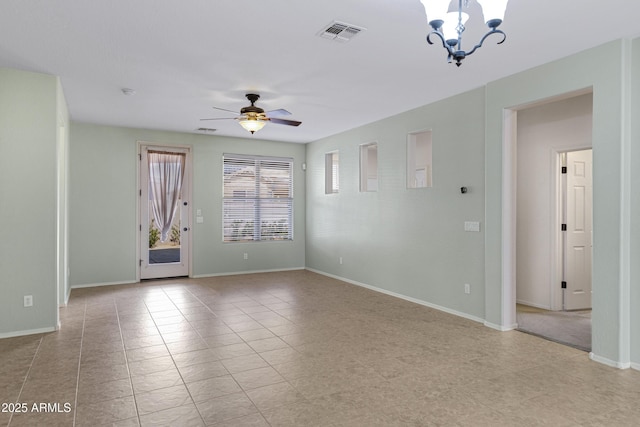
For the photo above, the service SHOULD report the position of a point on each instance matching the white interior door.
(578, 242)
(160, 258)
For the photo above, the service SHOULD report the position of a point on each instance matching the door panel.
(578, 247)
(169, 258)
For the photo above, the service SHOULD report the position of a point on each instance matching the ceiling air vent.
(206, 130)
(340, 32)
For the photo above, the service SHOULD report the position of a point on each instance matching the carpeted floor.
(572, 328)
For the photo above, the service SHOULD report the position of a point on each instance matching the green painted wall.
(28, 201)
(407, 241)
(103, 197)
(601, 68)
(412, 242)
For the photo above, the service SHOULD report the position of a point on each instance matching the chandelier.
(449, 26)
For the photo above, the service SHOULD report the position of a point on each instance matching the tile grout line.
(126, 360)
(246, 342)
(230, 374)
(26, 377)
(75, 403)
(171, 354)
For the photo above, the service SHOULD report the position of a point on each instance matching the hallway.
(572, 328)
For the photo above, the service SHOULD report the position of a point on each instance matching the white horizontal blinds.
(258, 198)
(239, 199)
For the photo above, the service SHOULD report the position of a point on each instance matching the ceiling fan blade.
(285, 122)
(224, 109)
(277, 113)
(221, 118)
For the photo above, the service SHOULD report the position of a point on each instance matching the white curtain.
(165, 184)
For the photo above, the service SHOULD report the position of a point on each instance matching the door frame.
(188, 177)
(508, 194)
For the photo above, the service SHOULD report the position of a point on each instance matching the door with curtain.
(164, 211)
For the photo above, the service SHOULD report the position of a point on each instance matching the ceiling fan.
(254, 118)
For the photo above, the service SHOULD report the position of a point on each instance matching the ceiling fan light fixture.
(254, 118)
(252, 124)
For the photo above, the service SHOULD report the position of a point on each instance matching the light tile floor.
(294, 349)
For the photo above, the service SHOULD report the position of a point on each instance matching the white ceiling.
(183, 57)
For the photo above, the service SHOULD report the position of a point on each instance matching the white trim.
(404, 297)
(556, 194)
(509, 232)
(27, 332)
(533, 304)
(95, 285)
(609, 362)
(635, 366)
(237, 273)
(500, 327)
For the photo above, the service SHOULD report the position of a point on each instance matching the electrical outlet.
(28, 300)
(246, 255)
(467, 288)
(340, 260)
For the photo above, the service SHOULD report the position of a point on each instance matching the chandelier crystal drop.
(449, 26)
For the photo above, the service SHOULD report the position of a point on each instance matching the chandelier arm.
(493, 31)
(444, 42)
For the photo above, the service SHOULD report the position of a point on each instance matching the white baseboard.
(532, 304)
(397, 295)
(237, 273)
(500, 327)
(27, 332)
(635, 366)
(609, 362)
(94, 285)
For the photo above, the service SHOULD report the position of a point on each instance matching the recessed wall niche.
(419, 159)
(369, 167)
(331, 172)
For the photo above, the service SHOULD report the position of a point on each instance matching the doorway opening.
(551, 215)
(164, 211)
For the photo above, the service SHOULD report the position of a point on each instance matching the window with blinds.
(257, 203)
